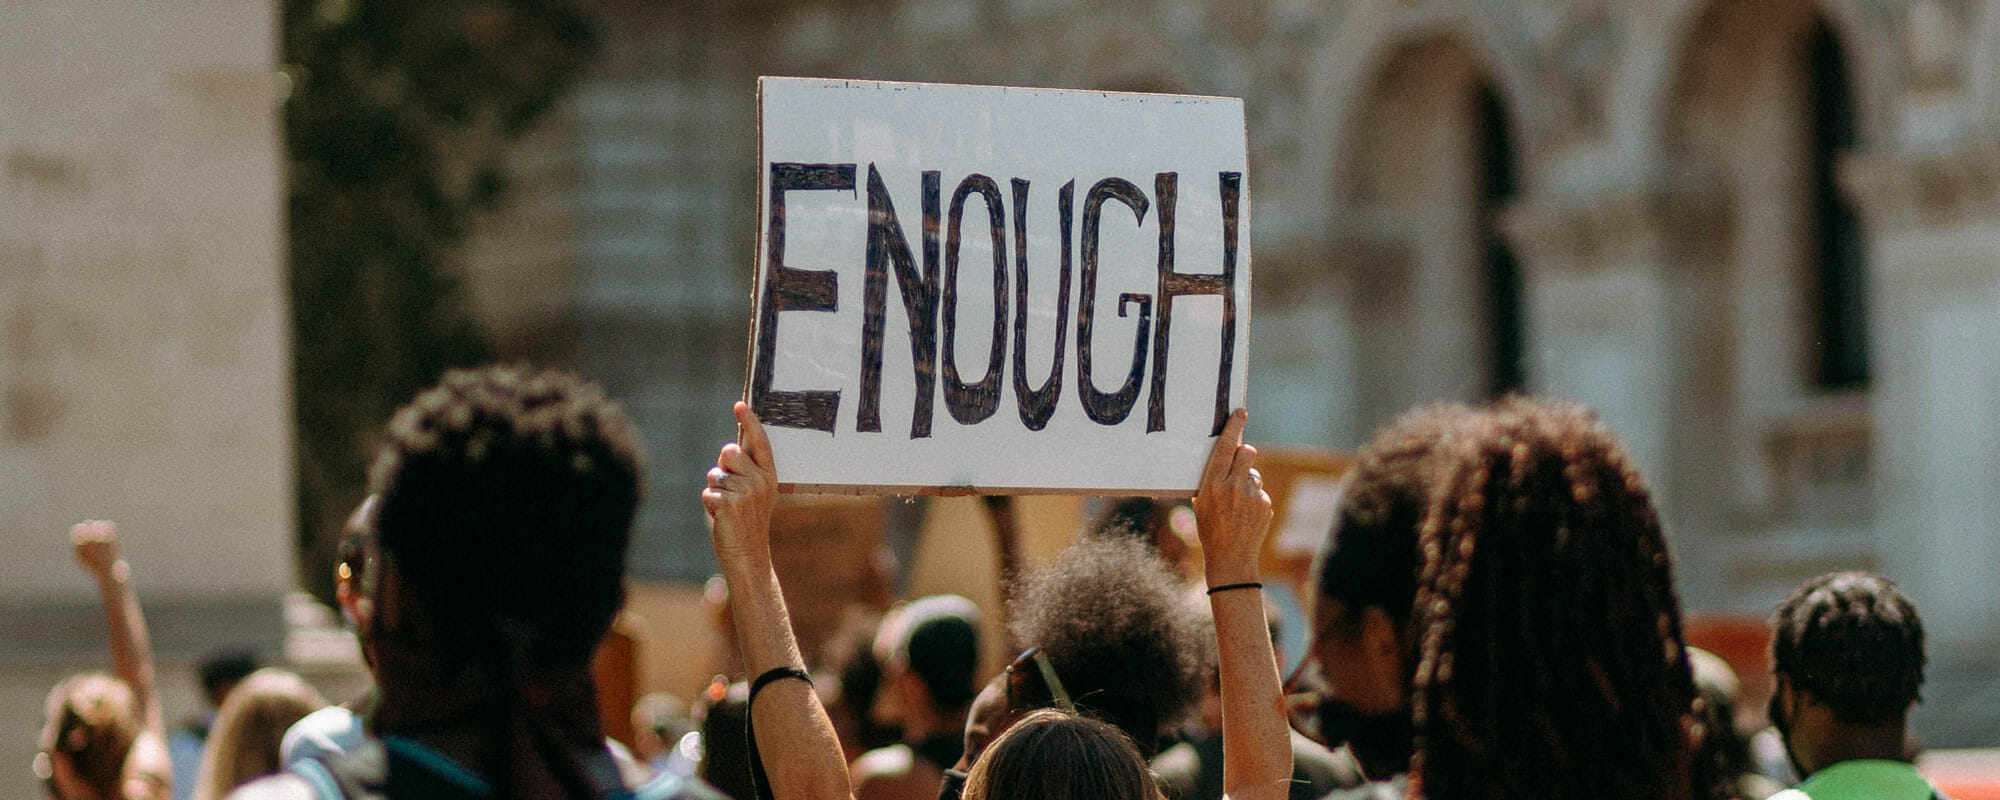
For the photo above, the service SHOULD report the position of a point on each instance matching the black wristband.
(775, 674)
(1228, 586)
(760, 784)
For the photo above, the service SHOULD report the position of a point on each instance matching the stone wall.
(143, 371)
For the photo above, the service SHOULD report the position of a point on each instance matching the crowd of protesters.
(1493, 615)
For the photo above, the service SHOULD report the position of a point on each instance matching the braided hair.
(1550, 657)
(1855, 643)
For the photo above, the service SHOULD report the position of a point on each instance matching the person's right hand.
(1231, 509)
(96, 544)
(742, 489)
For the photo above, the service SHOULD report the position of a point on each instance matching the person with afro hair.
(1111, 647)
(1848, 655)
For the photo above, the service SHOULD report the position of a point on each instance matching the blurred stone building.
(1761, 238)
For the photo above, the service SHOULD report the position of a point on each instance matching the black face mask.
(1382, 742)
(1782, 720)
(953, 786)
(943, 750)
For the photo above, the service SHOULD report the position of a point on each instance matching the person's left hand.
(1231, 509)
(742, 489)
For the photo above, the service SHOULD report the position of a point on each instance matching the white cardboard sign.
(997, 290)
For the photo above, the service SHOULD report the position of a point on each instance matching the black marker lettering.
(1037, 405)
(1111, 408)
(1174, 284)
(887, 245)
(789, 289)
(972, 403)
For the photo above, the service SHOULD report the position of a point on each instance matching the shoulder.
(282, 786)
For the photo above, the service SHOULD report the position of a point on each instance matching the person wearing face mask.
(1848, 655)
(1352, 691)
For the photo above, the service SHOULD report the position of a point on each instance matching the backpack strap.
(358, 774)
(316, 775)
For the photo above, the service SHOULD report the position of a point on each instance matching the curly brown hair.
(1109, 615)
(1371, 557)
(1550, 657)
(507, 499)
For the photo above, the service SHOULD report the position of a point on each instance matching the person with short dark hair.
(1848, 654)
(930, 651)
(506, 501)
(1107, 616)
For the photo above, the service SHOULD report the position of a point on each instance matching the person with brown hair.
(244, 743)
(1540, 654)
(103, 737)
(1056, 755)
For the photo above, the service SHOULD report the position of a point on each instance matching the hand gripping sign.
(967, 289)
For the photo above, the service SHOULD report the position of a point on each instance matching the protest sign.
(999, 290)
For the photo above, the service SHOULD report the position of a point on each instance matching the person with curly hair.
(1111, 647)
(1849, 658)
(506, 497)
(1539, 652)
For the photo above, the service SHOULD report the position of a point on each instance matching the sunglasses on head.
(1305, 690)
(1021, 682)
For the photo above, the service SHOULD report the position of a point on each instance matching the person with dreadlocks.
(1540, 653)
(1849, 658)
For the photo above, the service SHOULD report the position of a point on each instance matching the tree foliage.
(398, 118)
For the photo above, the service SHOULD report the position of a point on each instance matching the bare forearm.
(803, 759)
(1256, 742)
(131, 647)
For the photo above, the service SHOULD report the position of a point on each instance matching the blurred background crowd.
(1762, 239)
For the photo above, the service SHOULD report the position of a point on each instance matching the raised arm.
(148, 770)
(1007, 544)
(1232, 514)
(800, 752)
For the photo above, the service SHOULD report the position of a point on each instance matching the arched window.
(1431, 288)
(1505, 337)
(1839, 301)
